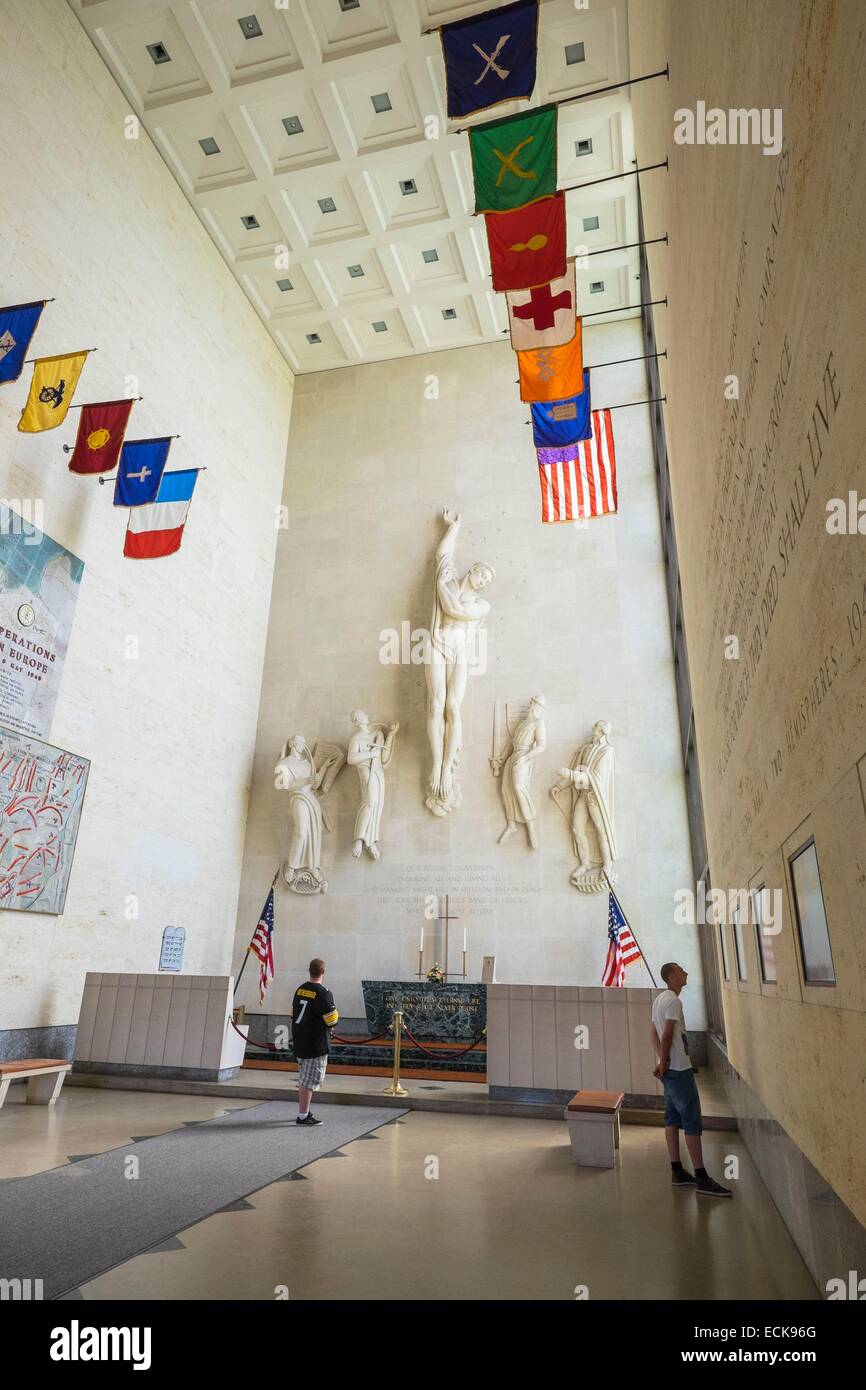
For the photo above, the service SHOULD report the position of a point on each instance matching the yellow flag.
(51, 390)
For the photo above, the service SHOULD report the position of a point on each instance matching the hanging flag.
(544, 316)
(514, 160)
(622, 948)
(262, 945)
(558, 423)
(580, 481)
(101, 428)
(490, 57)
(139, 475)
(157, 530)
(51, 391)
(527, 247)
(17, 326)
(552, 374)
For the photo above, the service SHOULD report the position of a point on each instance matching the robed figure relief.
(589, 811)
(458, 614)
(305, 777)
(514, 764)
(370, 751)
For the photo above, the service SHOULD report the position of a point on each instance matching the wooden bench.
(46, 1078)
(593, 1127)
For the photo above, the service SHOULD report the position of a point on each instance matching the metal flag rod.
(583, 96)
(70, 448)
(113, 477)
(620, 361)
(606, 250)
(645, 304)
(623, 406)
(630, 927)
(85, 405)
(612, 178)
(28, 361)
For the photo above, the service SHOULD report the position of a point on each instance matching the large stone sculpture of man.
(458, 613)
(591, 779)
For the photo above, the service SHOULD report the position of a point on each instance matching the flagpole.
(85, 405)
(631, 928)
(247, 952)
(624, 405)
(581, 96)
(620, 361)
(623, 308)
(28, 361)
(612, 178)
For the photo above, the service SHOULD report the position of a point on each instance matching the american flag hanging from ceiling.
(622, 948)
(579, 480)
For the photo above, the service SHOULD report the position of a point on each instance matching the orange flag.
(554, 373)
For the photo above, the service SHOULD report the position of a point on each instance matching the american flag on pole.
(262, 945)
(579, 480)
(622, 948)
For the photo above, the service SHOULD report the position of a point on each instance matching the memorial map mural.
(41, 794)
(39, 582)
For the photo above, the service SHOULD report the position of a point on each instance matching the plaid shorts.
(311, 1071)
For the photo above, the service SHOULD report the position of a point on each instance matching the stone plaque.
(442, 1013)
(173, 942)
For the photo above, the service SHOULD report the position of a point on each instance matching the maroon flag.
(527, 246)
(101, 428)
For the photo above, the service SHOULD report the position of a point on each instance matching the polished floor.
(436, 1206)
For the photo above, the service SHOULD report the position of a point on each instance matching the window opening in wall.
(812, 929)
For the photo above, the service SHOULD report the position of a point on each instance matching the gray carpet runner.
(70, 1224)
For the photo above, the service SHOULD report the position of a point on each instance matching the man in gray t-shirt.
(674, 1070)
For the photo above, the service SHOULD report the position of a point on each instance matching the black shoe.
(683, 1179)
(309, 1120)
(708, 1187)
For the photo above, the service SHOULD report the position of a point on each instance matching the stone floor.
(509, 1216)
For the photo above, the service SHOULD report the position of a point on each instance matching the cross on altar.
(448, 919)
(542, 307)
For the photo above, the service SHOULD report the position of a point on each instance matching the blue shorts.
(682, 1102)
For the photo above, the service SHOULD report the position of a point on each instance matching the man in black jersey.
(313, 1017)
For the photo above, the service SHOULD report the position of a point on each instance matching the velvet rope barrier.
(271, 1047)
(451, 1056)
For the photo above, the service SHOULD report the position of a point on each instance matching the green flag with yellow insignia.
(514, 160)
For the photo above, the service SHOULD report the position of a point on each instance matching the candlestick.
(421, 947)
(464, 961)
(464, 940)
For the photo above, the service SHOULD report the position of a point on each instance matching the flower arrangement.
(436, 976)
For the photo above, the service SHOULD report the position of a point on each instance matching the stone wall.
(579, 615)
(763, 275)
(97, 221)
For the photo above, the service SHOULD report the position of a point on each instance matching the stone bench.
(593, 1127)
(45, 1078)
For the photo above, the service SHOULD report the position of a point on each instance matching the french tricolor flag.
(156, 529)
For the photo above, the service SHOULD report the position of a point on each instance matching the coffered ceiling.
(311, 138)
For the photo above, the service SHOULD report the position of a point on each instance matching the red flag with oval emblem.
(100, 434)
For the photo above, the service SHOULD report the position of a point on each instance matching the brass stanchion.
(395, 1089)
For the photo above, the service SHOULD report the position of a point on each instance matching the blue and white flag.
(557, 423)
(17, 326)
(491, 57)
(139, 473)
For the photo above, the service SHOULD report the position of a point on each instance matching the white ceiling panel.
(324, 122)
